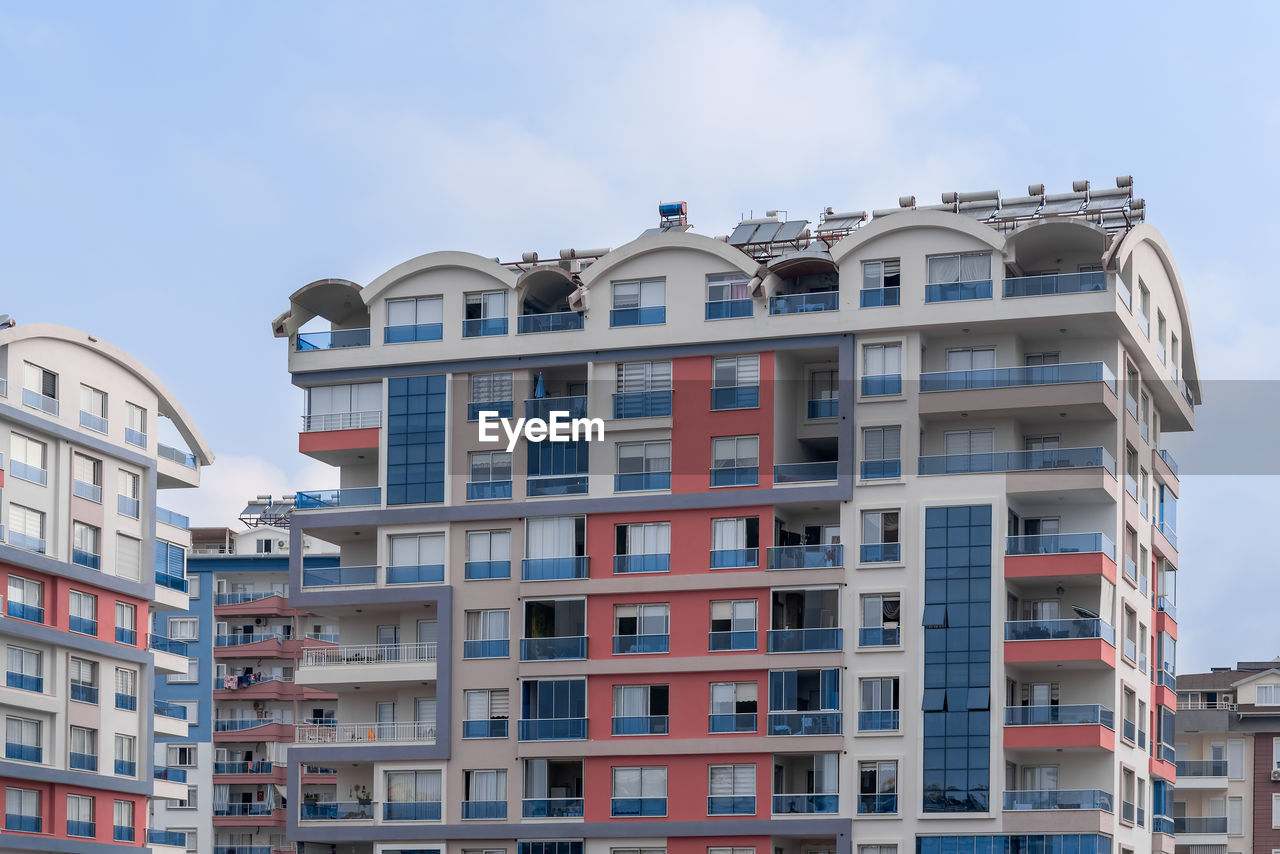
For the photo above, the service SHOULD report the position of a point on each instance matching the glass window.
(128, 556)
(135, 418)
(881, 443)
(881, 359)
(486, 304)
(737, 615)
(966, 267)
(643, 538)
(642, 457)
(636, 377)
(642, 619)
(488, 545)
(881, 274)
(644, 294)
(488, 625)
(971, 359)
(417, 550)
(879, 526)
(28, 459)
(489, 388)
(734, 371)
(735, 452)
(415, 311)
(93, 401)
(79, 815)
(727, 286)
(40, 381)
(489, 466)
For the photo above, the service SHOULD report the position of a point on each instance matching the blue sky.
(170, 172)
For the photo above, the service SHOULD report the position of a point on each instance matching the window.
(126, 620)
(86, 545)
(184, 628)
(877, 849)
(24, 669)
(641, 628)
(881, 282)
(84, 680)
(1144, 305)
(640, 709)
(125, 753)
(642, 547)
(643, 465)
(93, 409)
(84, 613)
(1126, 795)
(39, 388)
(733, 706)
(735, 461)
(735, 382)
(490, 474)
(126, 689)
(731, 790)
(181, 756)
(342, 407)
(192, 674)
(135, 431)
(731, 851)
(22, 739)
(122, 821)
(641, 303)
(485, 314)
(127, 492)
(190, 802)
(418, 319)
(958, 277)
(966, 442)
(416, 558)
(488, 711)
(26, 598)
(22, 810)
(881, 452)
(880, 536)
(412, 787)
(128, 557)
(79, 816)
(639, 791)
(488, 554)
(881, 615)
(971, 359)
(733, 625)
(804, 702)
(735, 542)
(555, 537)
(878, 704)
(877, 787)
(488, 634)
(728, 296)
(824, 393)
(1235, 814)
(87, 474)
(1268, 695)
(486, 787)
(1161, 330)
(491, 393)
(1235, 758)
(881, 369)
(28, 459)
(84, 749)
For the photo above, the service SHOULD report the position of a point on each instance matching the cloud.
(229, 484)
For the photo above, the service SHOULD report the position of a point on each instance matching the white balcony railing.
(422, 732)
(373, 653)
(341, 421)
(1206, 705)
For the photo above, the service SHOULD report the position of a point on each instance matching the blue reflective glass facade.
(415, 439)
(957, 659)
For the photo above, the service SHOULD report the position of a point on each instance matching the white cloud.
(232, 481)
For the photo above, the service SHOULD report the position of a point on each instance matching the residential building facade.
(92, 563)
(872, 552)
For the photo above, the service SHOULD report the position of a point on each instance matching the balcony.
(243, 639)
(1069, 715)
(23, 823)
(823, 408)
(1169, 461)
(626, 564)
(1056, 283)
(494, 648)
(405, 334)
(88, 491)
(87, 559)
(243, 768)
(728, 308)
(320, 423)
(23, 611)
(553, 729)
(642, 481)
(805, 803)
(125, 768)
(1071, 629)
(740, 722)
(735, 476)
(1058, 799)
(878, 720)
(553, 649)
(135, 437)
(536, 487)
(642, 404)
(553, 568)
(805, 723)
(172, 775)
(642, 725)
(82, 762)
(331, 810)
(484, 327)
(735, 558)
(803, 303)
(1169, 534)
(1165, 606)
(556, 321)
(879, 636)
(735, 397)
(495, 408)
(725, 641)
(1010, 461)
(493, 728)
(129, 507)
(160, 643)
(957, 292)
(1060, 544)
(43, 402)
(24, 682)
(340, 576)
(880, 469)
(641, 644)
(373, 732)
(491, 810)
(820, 556)
(1200, 825)
(353, 663)
(637, 807)
(81, 828)
(552, 808)
(488, 490)
(329, 499)
(881, 804)
(731, 805)
(806, 640)
(420, 574)
(29, 473)
(881, 385)
(880, 553)
(84, 693)
(484, 570)
(182, 458)
(812, 472)
(23, 752)
(126, 702)
(335, 339)
(414, 810)
(167, 837)
(649, 315)
(879, 297)
(1193, 773)
(1017, 377)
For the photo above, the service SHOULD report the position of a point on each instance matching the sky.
(171, 172)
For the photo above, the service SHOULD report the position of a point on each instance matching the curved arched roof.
(438, 261)
(169, 406)
(909, 219)
(668, 240)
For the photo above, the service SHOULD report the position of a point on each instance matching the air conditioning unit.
(1275, 776)
(280, 544)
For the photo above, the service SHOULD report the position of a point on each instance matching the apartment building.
(764, 612)
(88, 572)
(244, 638)
(1228, 747)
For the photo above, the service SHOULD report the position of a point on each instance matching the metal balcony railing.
(367, 654)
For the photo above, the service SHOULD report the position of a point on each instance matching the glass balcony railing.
(1076, 629)
(815, 556)
(1059, 715)
(166, 837)
(553, 729)
(494, 648)
(805, 640)
(879, 385)
(735, 397)
(641, 481)
(879, 297)
(164, 644)
(812, 472)
(805, 723)
(623, 564)
(182, 458)
(24, 681)
(88, 491)
(1055, 283)
(802, 303)
(135, 437)
(491, 810)
(80, 828)
(1060, 544)
(1165, 679)
(127, 702)
(27, 542)
(86, 559)
(169, 517)
(734, 558)
(880, 552)
(1165, 606)
(477, 570)
(402, 334)
(1144, 323)
(723, 641)
(172, 775)
(488, 490)
(483, 327)
(881, 469)
(637, 807)
(23, 752)
(728, 308)
(27, 472)
(1169, 461)
(559, 485)
(731, 805)
(1201, 767)
(1030, 375)
(552, 808)
(493, 728)
(739, 722)
(1054, 458)
(43, 402)
(792, 804)
(84, 693)
(1169, 533)
(422, 574)
(556, 321)
(127, 506)
(23, 611)
(83, 762)
(553, 649)
(642, 725)
(828, 407)
(641, 644)
(495, 408)
(879, 636)
(880, 804)
(735, 476)
(1059, 799)
(170, 581)
(1214, 824)
(93, 422)
(23, 823)
(414, 810)
(958, 291)
(1162, 824)
(335, 339)
(1130, 568)
(1131, 486)
(878, 720)
(340, 576)
(125, 768)
(243, 767)
(649, 315)
(553, 568)
(83, 625)
(324, 810)
(326, 499)
(642, 404)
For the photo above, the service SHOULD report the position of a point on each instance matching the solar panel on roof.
(1062, 206)
(1024, 209)
(1107, 202)
(742, 234)
(983, 212)
(838, 224)
(791, 229)
(765, 232)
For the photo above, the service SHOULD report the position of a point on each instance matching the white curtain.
(401, 312)
(488, 786)
(551, 537)
(430, 310)
(653, 619)
(826, 777)
(975, 267)
(626, 782)
(653, 293)
(631, 701)
(535, 779)
(221, 796)
(944, 269)
(727, 534)
(722, 698)
(650, 538)
(477, 705)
